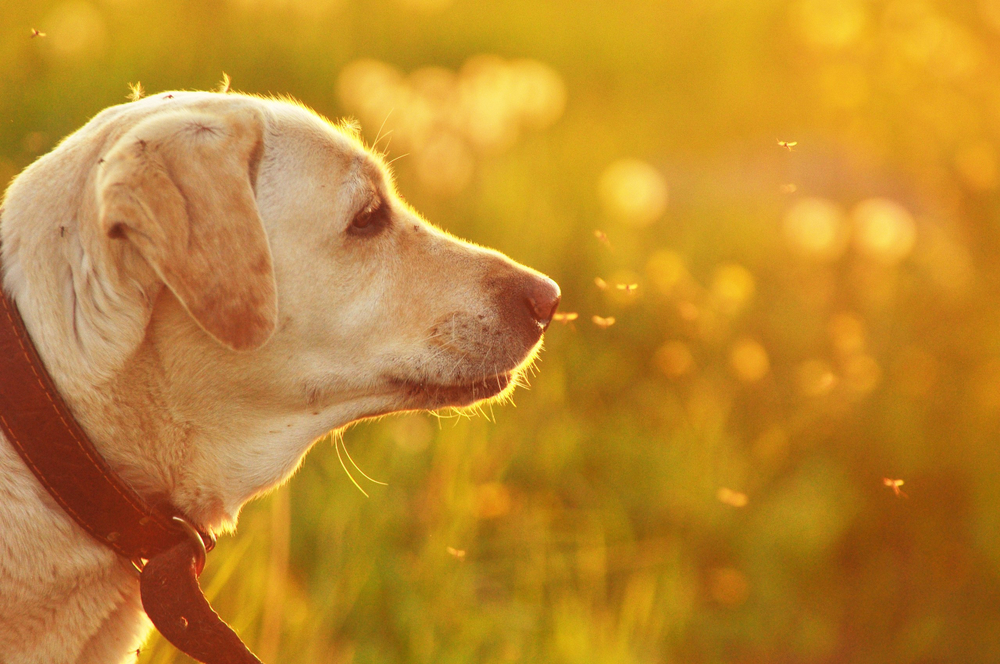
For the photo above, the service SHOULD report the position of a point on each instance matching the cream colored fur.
(188, 269)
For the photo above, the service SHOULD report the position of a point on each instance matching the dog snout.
(525, 300)
(542, 296)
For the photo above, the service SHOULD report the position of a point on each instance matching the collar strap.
(44, 433)
(52, 444)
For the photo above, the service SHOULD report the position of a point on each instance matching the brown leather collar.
(158, 539)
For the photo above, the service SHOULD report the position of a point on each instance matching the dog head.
(281, 235)
(259, 282)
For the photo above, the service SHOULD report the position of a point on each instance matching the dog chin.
(425, 395)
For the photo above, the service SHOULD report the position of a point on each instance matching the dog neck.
(65, 597)
(97, 583)
(98, 612)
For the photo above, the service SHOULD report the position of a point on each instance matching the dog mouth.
(430, 395)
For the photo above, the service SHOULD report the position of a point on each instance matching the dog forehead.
(308, 135)
(302, 125)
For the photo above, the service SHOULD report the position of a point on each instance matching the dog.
(214, 281)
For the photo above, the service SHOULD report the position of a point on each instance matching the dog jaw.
(423, 395)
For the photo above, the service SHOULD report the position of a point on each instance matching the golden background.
(711, 478)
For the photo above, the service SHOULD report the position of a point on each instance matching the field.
(785, 446)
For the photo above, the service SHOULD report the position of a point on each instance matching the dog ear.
(178, 187)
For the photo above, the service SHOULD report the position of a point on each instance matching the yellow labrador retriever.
(213, 281)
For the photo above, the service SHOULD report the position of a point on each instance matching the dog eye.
(369, 221)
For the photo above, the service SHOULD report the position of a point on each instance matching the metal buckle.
(201, 549)
(203, 543)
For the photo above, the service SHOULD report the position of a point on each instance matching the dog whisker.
(337, 442)
(358, 468)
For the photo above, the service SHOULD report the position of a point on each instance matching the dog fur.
(214, 281)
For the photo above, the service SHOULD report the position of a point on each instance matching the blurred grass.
(785, 350)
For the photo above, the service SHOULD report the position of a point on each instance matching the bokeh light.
(815, 378)
(847, 334)
(729, 587)
(633, 192)
(443, 118)
(76, 29)
(733, 287)
(749, 360)
(977, 165)
(830, 23)
(816, 228)
(884, 229)
(674, 359)
(732, 498)
(305, 9)
(861, 373)
(666, 270)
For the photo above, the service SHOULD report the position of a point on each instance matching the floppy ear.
(178, 187)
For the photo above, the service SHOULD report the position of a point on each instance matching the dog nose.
(543, 300)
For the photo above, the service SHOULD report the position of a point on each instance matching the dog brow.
(359, 188)
(370, 170)
(366, 178)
